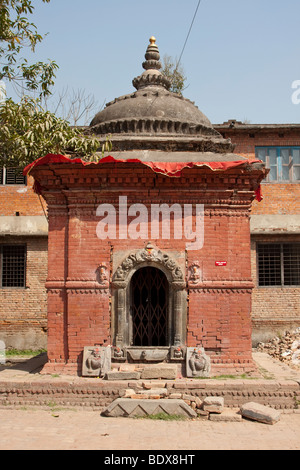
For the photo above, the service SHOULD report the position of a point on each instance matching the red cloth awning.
(171, 169)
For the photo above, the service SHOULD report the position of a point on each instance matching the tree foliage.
(17, 32)
(175, 73)
(27, 132)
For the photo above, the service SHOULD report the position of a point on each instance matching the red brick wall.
(23, 311)
(278, 198)
(20, 198)
(274, 309)
(80, 312)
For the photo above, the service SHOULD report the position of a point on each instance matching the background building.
(23, 262)
(275, 224)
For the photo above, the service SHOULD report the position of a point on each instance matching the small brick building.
(274, 229)
(149, 249)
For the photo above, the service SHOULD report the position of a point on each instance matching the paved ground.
(41, 429)
(87, 430)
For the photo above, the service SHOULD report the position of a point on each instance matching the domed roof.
(169, 111)
(154, 118)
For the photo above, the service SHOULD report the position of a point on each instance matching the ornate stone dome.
(154, 118)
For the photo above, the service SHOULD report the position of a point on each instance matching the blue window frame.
(283, 162)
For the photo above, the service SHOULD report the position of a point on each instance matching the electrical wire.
(187, 37)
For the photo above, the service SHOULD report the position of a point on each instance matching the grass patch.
(163, 417)
(225, 376)
(230, 376)
(24, 352)
(266, 374)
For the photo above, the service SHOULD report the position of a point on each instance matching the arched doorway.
(168, 311)
(149, 307)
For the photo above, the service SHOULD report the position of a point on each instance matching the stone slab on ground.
(227, 415)
(159, 371)
(261, 413)
(162, 392)
(129, 408)
(213, 404)
(122, 375)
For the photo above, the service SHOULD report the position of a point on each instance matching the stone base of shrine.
(163, 370)
(23, 385)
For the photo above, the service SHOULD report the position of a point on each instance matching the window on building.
(284, 162)
(278, 264)
(13, 265)
(12, 176)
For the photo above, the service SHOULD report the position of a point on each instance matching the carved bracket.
(194, 274)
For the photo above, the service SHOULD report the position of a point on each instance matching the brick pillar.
(57, 272)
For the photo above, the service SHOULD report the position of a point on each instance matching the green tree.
(175, 73)
(27, 131)
(17, 32)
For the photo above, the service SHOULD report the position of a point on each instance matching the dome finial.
(152, 67)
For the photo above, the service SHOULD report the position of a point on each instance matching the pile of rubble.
(152, 401)
(285, 348)
(202, 409)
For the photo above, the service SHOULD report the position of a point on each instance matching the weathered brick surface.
(23, 311)
(279, 198)
(79, 305)
(99, 394)
(20, 198)
(273, 309)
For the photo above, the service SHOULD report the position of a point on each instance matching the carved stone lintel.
(148, 354)
(151, 254)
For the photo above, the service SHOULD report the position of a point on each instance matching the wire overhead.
(188, 34)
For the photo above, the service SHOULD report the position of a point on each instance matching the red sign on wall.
(220, 263)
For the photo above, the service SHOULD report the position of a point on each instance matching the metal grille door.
(149, 307)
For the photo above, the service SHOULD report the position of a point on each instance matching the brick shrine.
(149, 294)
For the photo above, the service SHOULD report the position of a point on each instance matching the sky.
(241, 58)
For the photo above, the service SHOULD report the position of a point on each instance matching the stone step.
(124, 407)
(159, 371)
